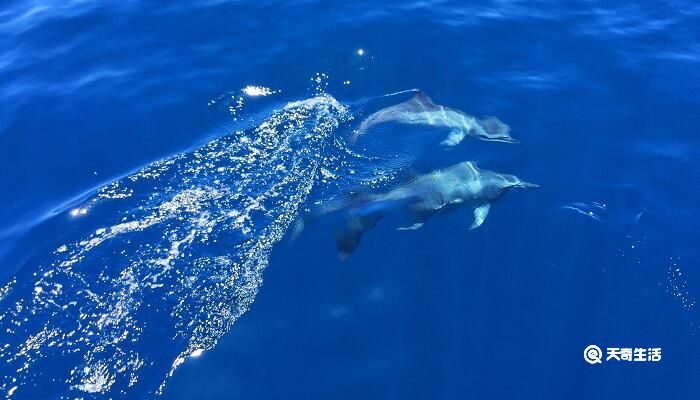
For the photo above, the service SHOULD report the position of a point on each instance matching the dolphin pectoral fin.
(480, 214)
(413, 227)
(453, 138)
(420, 217)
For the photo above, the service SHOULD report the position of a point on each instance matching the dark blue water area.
(603, 95)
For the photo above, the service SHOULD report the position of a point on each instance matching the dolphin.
(461, 185)
(421, 110)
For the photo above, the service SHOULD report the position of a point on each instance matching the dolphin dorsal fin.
(422, 98)
(472, 166)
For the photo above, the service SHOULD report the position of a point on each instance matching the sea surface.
(164, 170)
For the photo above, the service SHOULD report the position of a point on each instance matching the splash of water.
(174, 255)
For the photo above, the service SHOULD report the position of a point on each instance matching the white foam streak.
(189, 239)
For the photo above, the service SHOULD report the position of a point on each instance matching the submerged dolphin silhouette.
(421, 110)
(461, 185)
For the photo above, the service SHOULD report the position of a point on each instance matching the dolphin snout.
(510, 140)
(528, 185)
(501, 139)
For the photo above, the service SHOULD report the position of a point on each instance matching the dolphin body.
(421, 110)
(461, 185)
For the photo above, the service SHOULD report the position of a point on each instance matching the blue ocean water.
(155, 160)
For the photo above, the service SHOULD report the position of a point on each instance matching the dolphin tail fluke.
(356, 134)
(348, 237)
(299, 224)
(365, 125)
(297, 227)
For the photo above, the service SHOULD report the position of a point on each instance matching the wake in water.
(166, 259)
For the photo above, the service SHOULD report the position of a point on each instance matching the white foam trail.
(400, 92)
(583, 210)
(170, 257)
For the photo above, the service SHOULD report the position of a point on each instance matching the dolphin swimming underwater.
(421, 110)
(461, 185)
